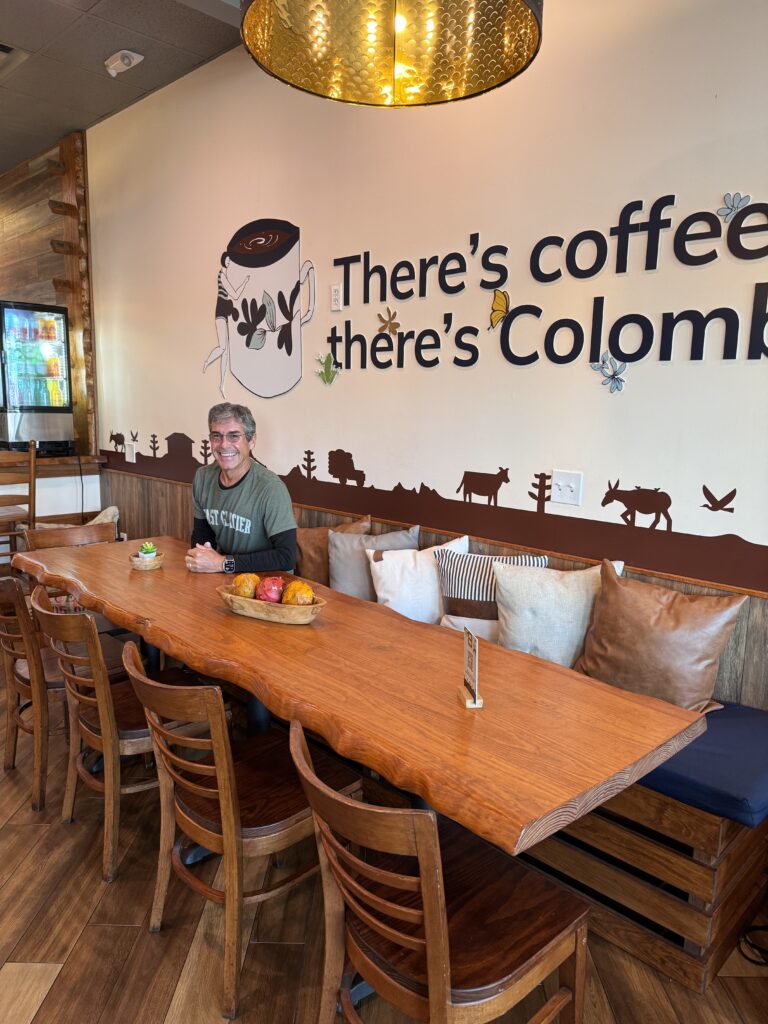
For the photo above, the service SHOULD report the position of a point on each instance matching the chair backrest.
(19, 640)
(19, 468)
(194, 704)
(75, 640)
(70, 536)
(404, 883)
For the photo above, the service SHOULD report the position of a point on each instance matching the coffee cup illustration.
(259, 307)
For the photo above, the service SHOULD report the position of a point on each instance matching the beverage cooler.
(36, 381)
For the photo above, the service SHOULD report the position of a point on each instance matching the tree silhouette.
(542, 484)
(205, 451)
(308, 465)
(154, 444)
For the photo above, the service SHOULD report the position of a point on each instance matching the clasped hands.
(203, 558)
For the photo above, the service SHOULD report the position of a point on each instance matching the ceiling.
(53, 80)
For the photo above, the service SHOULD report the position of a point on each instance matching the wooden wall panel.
(154, 507)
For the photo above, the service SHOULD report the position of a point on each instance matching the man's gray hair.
(241, 413)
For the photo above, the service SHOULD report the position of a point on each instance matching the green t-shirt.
(244, 516)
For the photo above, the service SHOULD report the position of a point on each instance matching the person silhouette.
(226, 297)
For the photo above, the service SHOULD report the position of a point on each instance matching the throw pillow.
(657, 641)
(468, 584)
(312, 548)
(348, 565)
(409, 582)
(486, 629)
(546, 611)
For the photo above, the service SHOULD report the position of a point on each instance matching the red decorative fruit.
(270, 589)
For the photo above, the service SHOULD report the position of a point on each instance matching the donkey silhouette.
(485, 484)
(643, 500)
(118, 440)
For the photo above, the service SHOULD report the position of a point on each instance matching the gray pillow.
(350, 571)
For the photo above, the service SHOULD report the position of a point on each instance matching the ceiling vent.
(10, 58)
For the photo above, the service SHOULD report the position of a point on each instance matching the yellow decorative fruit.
(245, 583)
(298, 593)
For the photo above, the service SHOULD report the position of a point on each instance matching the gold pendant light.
(393, 53)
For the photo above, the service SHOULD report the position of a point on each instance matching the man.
(243, 515)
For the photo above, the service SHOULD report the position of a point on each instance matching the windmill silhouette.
(718, 504)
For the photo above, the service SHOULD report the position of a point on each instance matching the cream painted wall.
(625, 101)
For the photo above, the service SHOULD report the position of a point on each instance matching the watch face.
(229, 565)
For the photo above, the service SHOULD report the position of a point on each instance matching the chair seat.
(129, 714)
(500, 915)
(268, 786)
(725, 770)
(113, 658)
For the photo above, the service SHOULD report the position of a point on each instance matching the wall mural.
(258, 314)
(258, 329)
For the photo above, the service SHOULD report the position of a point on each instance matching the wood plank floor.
(74, 949)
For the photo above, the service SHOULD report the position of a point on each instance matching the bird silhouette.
(718, 504)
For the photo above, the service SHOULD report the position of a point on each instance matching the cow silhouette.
(118, 440)
(643, 500)
(484, 485)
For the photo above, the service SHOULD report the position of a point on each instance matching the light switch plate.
(335, 298)
(567, 486)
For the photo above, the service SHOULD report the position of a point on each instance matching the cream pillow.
(409, 582)
(546, 612)
(486, 629)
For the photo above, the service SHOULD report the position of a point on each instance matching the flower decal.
(611, 372)
(253, 315)
(389, 325)
(733, 203)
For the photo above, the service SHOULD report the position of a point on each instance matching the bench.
(675, 866)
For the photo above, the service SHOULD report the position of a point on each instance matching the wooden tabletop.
(548, 746)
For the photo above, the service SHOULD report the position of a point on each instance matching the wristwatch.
(229, 564)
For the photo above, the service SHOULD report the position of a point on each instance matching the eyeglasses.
(232, 436)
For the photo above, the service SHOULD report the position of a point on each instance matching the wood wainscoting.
(148, 507)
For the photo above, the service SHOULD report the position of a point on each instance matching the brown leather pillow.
(312, 548)
(656, 641)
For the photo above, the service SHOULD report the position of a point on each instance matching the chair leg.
(111, 812)
(573, 973)
(233, 940)
(75, 743)
(12, 702)
(333, 963)
(167, 833)
(40, 742)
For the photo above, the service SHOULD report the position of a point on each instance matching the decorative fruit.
(270, 589)
(245, 584)
(298, 592)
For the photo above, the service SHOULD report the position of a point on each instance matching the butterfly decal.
(499, 308)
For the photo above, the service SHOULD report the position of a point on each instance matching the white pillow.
(486, 629)
(409, 582)
(546, 612)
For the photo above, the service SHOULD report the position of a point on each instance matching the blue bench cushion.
(723, 771)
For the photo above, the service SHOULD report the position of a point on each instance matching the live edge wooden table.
(548, 746)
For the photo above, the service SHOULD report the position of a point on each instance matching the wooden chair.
(17, 468)
(104, 717)
(245, 802)
(32, 680)
(439, 923)
(74, 536)
(70, 536)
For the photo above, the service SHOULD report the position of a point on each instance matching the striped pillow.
(468, 583)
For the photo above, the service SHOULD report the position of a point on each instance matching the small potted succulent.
(148, 550)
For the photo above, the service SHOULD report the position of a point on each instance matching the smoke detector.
(121, 61)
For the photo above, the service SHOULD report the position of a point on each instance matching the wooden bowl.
(147, 563)
(291, 614)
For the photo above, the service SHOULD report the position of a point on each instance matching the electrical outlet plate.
(335, 298)
(567, 486)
